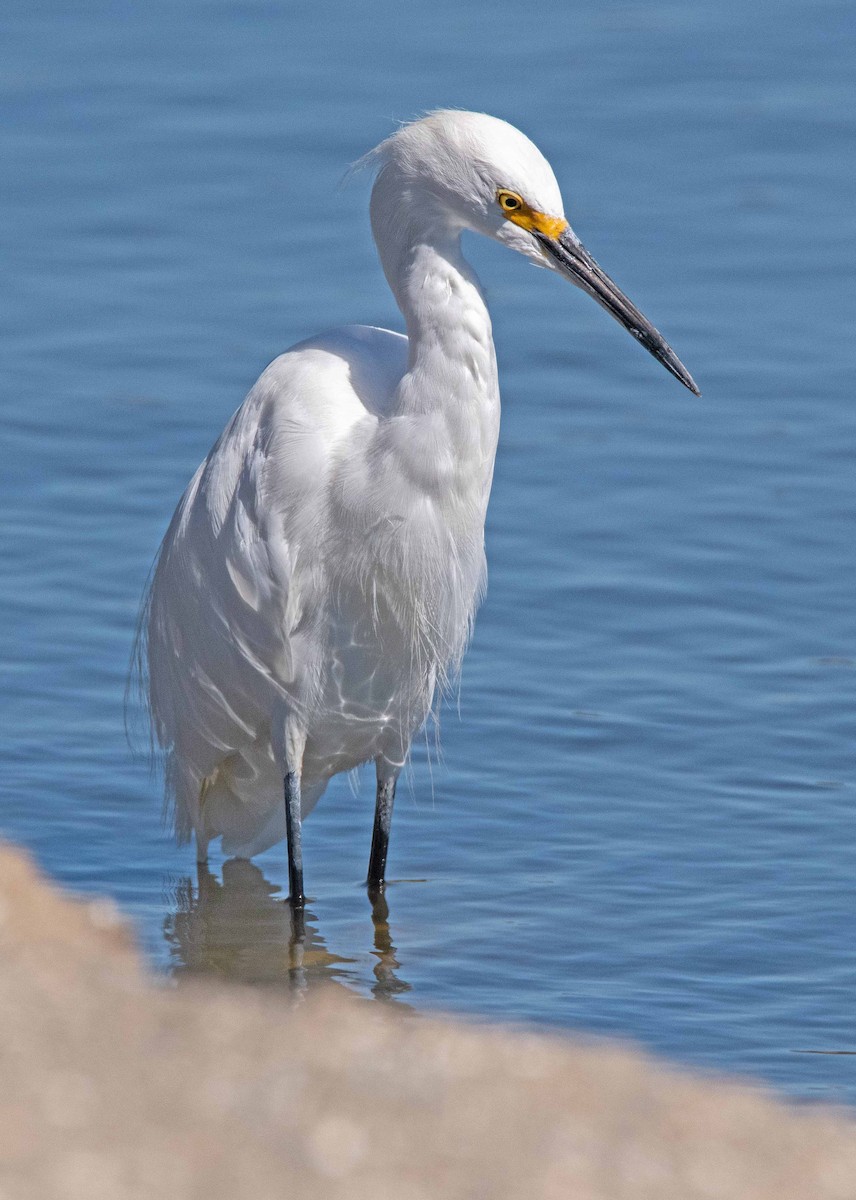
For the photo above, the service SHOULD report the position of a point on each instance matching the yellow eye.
(509, 201)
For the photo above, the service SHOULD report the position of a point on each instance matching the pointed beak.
(571, 259)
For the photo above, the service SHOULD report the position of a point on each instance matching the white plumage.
(320, 576)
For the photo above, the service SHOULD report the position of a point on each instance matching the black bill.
(574, 261)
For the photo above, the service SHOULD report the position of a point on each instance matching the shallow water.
(642, 821)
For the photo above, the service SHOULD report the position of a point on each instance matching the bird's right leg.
(295, 741)
(387, 775)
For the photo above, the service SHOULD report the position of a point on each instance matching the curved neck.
(451, 354)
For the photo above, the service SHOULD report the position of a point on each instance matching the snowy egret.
(318, 582)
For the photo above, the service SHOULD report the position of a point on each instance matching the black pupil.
(510, 202)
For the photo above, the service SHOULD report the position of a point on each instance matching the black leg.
(380, 835)
(295, 848)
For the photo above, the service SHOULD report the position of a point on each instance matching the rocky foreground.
(114, 1087)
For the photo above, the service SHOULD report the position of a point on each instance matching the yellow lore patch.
(514, 208)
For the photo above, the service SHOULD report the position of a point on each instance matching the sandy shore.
(115, 1087)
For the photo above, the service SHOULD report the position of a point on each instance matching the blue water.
(642, 823)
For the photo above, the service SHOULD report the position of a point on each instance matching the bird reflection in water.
(387, 985)
(241, 930)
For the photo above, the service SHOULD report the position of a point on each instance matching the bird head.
(472, 171)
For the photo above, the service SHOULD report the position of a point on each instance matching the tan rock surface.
(114, 1087)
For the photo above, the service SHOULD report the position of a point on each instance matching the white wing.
(241, 572)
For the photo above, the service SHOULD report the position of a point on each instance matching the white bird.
(317, 585)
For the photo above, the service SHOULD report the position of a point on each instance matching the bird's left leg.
(294, 837)
(294, 743)
(387, 775)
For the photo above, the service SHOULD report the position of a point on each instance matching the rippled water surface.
(642, 823)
